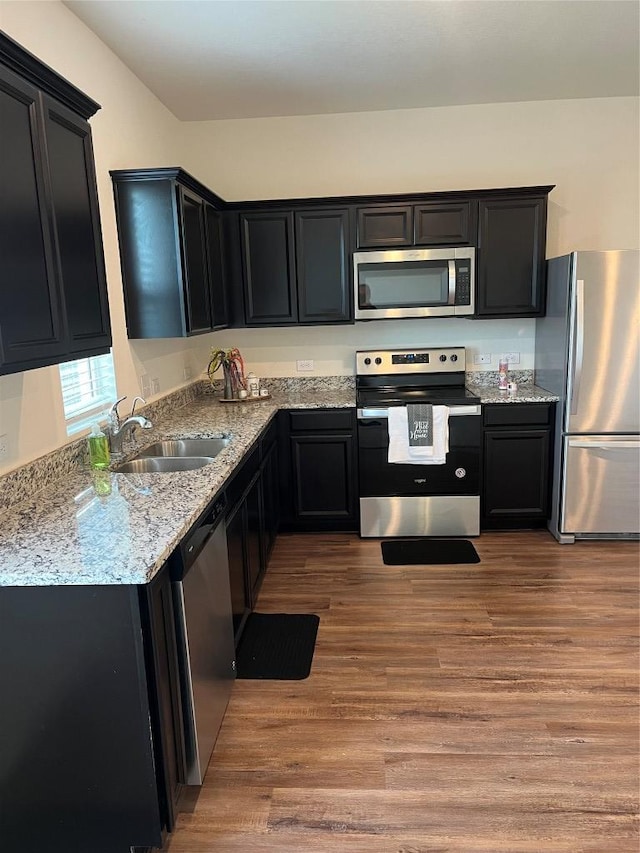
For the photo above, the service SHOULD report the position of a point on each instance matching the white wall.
(588, 148)
(132, 129)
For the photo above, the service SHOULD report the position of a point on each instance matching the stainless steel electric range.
(416, 499)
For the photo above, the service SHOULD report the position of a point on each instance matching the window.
(88, 390)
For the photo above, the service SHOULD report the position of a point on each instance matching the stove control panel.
(434, 360)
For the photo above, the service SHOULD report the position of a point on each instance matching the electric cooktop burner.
(398, 377)
(402, 396)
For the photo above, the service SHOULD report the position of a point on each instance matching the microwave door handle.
(452, 283)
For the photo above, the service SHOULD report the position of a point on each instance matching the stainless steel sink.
(162, 464)
(185, 447)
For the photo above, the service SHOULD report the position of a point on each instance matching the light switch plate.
(155, 385)
(512, 357)
(4, 447)
(482, 358)
(145, 384)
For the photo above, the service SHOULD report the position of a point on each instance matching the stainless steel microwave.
(414, 283)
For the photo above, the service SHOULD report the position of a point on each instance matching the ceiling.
(228, 59)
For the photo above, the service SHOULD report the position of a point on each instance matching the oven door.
(420, 500)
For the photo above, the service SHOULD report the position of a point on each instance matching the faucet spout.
(126, 427)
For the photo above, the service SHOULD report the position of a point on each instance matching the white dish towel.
(399, 450)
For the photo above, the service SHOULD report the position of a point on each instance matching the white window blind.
(88, 390)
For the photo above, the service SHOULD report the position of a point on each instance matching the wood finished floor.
(481, 708)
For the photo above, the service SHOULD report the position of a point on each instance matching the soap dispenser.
(98, 448)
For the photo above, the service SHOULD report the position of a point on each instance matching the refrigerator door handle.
(579, 347)
(603, 445)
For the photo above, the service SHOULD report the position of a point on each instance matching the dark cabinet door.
(322, 266)
(165, 686)
(516, 473)
(269, 268)
(255, 544)
(194, 259)
(511, 252)
(323, 476)
(388, 225)
(78, 238)
(271, 498)
(237, 549)
(445, 223)
(214, 241)
(31, 329)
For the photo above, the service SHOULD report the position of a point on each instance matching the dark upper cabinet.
(517, 464)
(511, 257)
(76, 223)
(215, 260)
(197, 295)
(269, 268)
(170, 253)
(322, 266)
(53, 297)
(385, 226)
(445, 223)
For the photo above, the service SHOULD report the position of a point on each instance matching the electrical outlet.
(512, 357)
(155, 385)
(4, 447)
(187, 372)
(482, 358)
(304, 364)
(145, 384)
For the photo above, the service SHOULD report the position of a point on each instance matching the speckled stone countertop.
(71, 534)
(107, 528)
(526, 393)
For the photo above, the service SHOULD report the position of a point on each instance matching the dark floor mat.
(410, 552)
(277, 646)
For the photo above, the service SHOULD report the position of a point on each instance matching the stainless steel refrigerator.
(588, 353)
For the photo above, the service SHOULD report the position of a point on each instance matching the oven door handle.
(454, 411)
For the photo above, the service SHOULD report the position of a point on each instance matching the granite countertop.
(107, 528)
(526, 393)
(71, 534)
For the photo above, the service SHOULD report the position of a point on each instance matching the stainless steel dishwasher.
(202, 599)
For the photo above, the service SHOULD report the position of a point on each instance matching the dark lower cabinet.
(82, 749)
(517, 465)
(253, 518)
(511, 257)
(159, 631)
(319, 483)
(53, 292)
(237, 548)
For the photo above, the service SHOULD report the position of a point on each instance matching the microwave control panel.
(463, 283)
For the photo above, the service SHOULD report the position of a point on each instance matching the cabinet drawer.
(319, 420)
(385, 226)
(517, 414)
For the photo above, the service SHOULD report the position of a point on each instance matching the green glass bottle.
(99, 455)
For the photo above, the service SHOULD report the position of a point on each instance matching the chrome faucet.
(119, 429)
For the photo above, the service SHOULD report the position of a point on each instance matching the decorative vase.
(228, 383)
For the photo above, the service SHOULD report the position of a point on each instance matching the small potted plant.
(233, 369)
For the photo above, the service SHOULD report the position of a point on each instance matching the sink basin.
(162, 464)
(185, 447)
